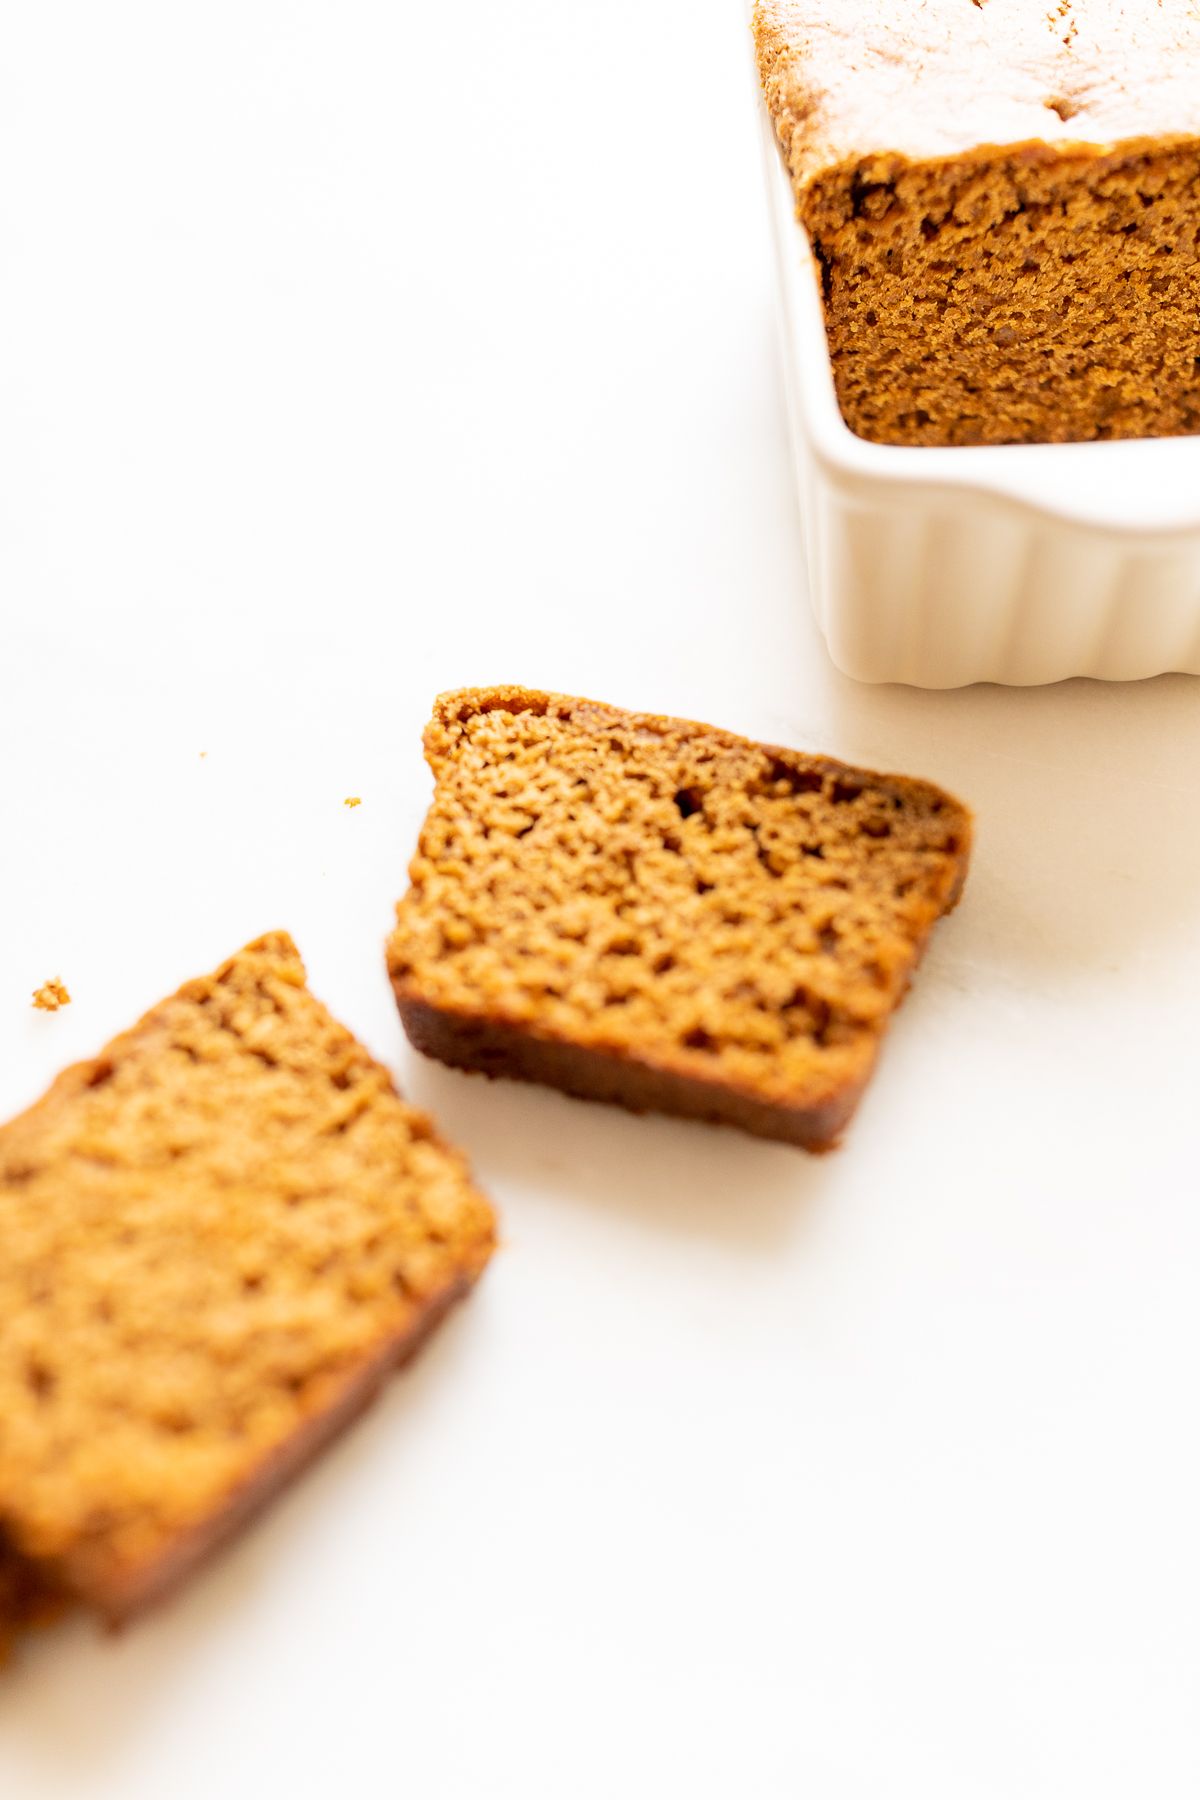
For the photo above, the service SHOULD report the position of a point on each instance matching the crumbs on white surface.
(51, 995)
(353, 800)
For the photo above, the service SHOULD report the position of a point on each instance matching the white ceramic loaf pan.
(1022, 563)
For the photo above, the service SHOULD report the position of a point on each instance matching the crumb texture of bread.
(215, 1239)
(656, 912)
(1004, 201)
(50, 996)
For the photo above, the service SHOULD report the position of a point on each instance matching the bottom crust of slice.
(492, 1047)
(27, 1601)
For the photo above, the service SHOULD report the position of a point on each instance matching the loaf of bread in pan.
(658, 913)
(216, 1240)
(1004, 200)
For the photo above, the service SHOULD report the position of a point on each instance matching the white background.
(350, 352)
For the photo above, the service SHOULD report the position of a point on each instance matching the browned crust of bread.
(483, 1040)
(29, 1599)
(490, 1047)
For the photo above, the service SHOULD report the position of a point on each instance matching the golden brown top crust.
(922, 80)
(204, 1232)
(670, 892)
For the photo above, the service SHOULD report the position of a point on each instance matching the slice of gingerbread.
(658, 913)
(217, 1239)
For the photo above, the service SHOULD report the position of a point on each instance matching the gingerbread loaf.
(217, 1238)
(1003, 197)
(654, 912)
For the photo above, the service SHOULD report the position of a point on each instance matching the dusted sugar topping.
(205, 1233)
(670, 892)
(930, 79)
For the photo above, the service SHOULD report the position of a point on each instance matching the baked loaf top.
(670, 893)
(935, 79)
(210, 1236)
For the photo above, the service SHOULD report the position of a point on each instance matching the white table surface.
(352, 352)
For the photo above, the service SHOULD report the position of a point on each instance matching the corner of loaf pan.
(1019, 563)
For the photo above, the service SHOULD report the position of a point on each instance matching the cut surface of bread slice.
(658, 913)
(216, 1240)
